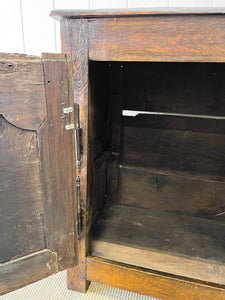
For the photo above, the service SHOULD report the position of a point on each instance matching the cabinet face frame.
(131, 36)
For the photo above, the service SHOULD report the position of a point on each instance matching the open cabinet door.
(37, 168)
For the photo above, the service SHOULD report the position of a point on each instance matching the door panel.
(20, 193)
(37, 169)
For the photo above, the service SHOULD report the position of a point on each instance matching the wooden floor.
(162, 241)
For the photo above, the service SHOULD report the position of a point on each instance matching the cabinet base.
(150, 283)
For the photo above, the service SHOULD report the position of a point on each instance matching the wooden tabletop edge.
(104, 13)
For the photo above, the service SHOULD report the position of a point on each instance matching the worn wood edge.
(22, 61)
(146, 282)
(53, 56)
(69, 63)
(177, 174)
(103, 13)
(14, 124)
(50, 61)
(18, 56)
(78, 45)
(108, 56)
(200, 269)
(26, 270)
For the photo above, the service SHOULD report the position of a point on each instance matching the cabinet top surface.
(103, 13)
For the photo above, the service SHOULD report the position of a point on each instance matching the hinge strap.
(79, 217)
(77, 134)
(78, 161)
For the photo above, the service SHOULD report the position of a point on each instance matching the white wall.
(25, 25)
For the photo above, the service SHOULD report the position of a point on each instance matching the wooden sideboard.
(150, 90)
(124, 185)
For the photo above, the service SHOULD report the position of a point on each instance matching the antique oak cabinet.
(133, 174)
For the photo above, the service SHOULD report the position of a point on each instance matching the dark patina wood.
(181, 88)
(176, 159)
(155, 240)
(27, 269)
(58, 159)
(163, 191)
(21, 194)
(186, 152)
(37, 162)
(22, 90)
(78, 46)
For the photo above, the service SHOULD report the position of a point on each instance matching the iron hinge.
(78, 163)
(79, 213)
(77, 134)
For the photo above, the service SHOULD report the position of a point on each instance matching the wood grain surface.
(38, 220)
(191, 38)
(20, 193)
(162, 241)
(58, 160)
(173, 149)
(142, 187)
(149, 283)
(194, 152)
(78, 46)
(204, 270)
(22, 98)
(27, 269)
(104, 13)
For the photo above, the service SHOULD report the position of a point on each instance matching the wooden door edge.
(27, 269)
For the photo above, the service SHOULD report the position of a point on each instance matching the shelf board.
(170, 243)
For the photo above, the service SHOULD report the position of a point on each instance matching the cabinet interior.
(157, 166)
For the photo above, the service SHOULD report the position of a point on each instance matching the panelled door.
(37, 168)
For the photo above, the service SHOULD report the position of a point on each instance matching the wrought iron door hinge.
(79, 216)
(78, 163)
(77, 134)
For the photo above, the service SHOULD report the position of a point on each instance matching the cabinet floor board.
(167, 242)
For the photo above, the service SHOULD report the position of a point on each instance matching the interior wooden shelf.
(166, 242)
(167, 172)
